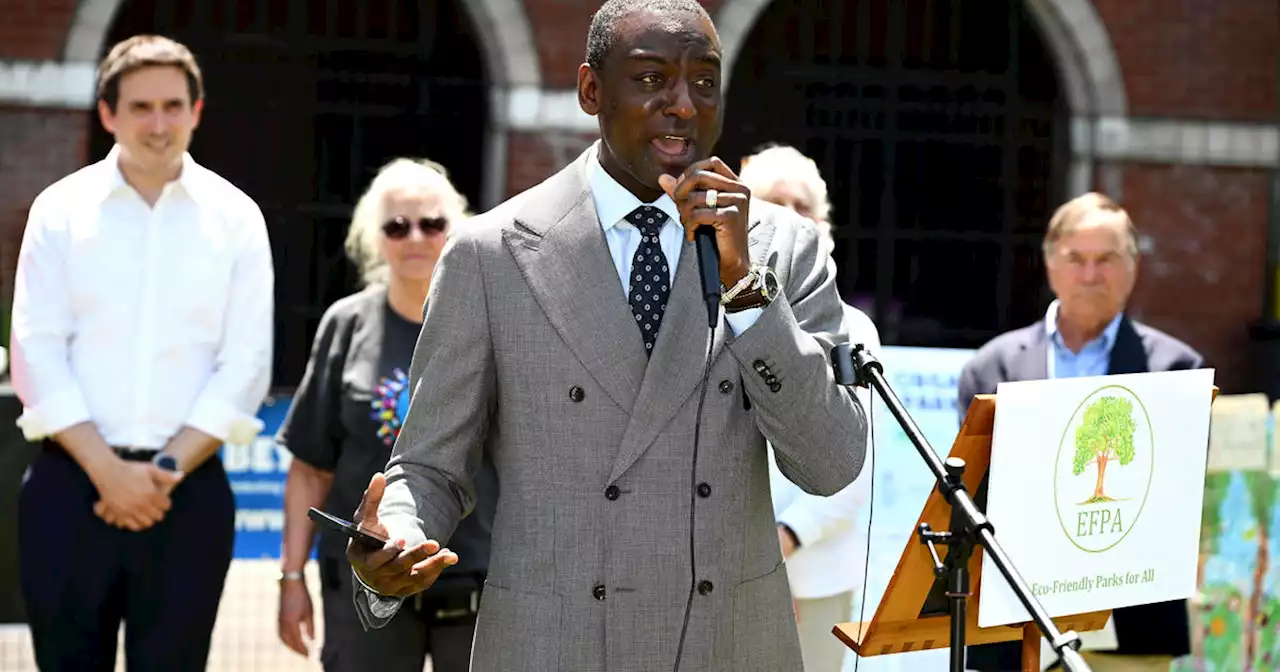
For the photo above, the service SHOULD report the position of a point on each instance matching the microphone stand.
(855, 367)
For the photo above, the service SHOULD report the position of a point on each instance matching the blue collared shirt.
(1093, 358)
(613, 203)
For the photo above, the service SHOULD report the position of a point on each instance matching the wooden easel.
(907, 619)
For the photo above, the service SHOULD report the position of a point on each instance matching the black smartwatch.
(165, 461)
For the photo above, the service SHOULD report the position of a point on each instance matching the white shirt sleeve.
(743, 319)
(227, 405)
(41, 329)
(813, 518)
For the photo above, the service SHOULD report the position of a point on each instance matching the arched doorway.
(943, 136)
(305, 101)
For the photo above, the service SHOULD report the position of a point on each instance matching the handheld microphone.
(709, 270)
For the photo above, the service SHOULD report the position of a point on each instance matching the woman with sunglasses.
(347, 413)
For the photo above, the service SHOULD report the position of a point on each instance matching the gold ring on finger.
(712, 196)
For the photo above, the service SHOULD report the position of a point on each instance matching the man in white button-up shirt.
(141, 341)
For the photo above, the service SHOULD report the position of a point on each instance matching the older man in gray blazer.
(566, 334)
(1091, 255)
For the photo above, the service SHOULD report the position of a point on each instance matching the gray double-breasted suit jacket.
(529, 351)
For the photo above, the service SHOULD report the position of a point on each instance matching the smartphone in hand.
(365, 538)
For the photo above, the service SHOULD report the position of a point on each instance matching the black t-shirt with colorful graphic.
(350, 406)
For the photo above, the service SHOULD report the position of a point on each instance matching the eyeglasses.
(398, 228)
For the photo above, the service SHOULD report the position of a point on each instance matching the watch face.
(770, 283)
(166, 462)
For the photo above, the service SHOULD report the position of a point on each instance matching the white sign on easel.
(1095, 489)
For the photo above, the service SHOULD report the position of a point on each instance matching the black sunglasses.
(399, 227)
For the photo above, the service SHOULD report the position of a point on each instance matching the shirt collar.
(614, 202)
(1107, 338)
(190, 180)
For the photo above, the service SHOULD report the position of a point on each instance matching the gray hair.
(1071, 214)
(366, 220)
(781, 163)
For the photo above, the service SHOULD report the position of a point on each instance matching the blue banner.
(257, 472)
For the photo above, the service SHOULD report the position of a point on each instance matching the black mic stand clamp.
(855, 367)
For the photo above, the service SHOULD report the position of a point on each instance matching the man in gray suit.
(1091, 255)
(566, 334)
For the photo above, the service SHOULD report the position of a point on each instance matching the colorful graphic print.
(390, 403)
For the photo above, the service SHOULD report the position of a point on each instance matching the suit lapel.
(1127, 353)
(560, 248)
(1032, 360)
(676, 366)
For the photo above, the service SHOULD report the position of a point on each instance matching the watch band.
(749, 280)
(753, 298)
(759, 293)
(291, 576)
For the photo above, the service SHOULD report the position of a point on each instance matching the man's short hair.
(146, 51)
(1071, 214)
(603, 32)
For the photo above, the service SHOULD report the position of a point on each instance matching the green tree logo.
(1105, 436)
(1103, 468)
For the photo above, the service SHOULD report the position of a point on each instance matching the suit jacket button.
(726, 386)
(704, 490)
(576, 394)
(775, 387)
(705, 587)
(760, 366)
(598, 592)
(611, 493)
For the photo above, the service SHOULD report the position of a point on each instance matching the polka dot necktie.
(650, 277)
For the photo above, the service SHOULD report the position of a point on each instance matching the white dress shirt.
(831, 542)
(143, 319)
(613, 204)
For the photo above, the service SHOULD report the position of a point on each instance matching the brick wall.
(37, 147)
(1202, 280)
(34, 30)
(560, 30)
(533, 157)
(1212, 60)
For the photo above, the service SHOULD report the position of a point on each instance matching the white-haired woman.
(782, 175)
(347, 413)
(818, 534)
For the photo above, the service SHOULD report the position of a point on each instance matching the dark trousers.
(81, 576)
(422, 626)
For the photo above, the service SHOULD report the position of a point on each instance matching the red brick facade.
(37, 147)
(34, 30)
(1204, 60)
(560, 29)
(1203, 279)
(531, 157)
